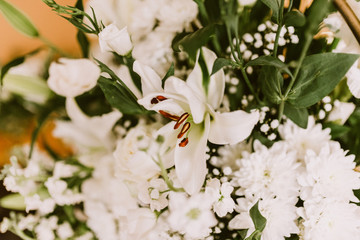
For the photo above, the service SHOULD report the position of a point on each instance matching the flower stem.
(166, 177)
(276, 44)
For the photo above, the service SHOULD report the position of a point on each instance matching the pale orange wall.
(52, 26)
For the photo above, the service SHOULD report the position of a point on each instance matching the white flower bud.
(72, 77)
(111, 39)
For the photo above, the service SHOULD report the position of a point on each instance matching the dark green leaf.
(169, 73)
(264, 140)
(294, 18)
(79, 5)
(299, 116)
(119, 97)
(193, 41)
(270, 61)
(242, 233)
(18, 19)
(317, 12)
(8, 66)
(336, 129)
(220, 63)
(271, 83)
(318, 76)
(258, 219)
(274, 5)
(83, 42)
(357, 193)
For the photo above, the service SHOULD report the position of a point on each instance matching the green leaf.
(271, 82)
(270, 61)
(258, 219)
(13, 201)
(336, 129)
(222, 62)
(169, 73)
(274, 5)
(318, 76)
(18, 19)
(83, 42)
(294, 18)
(193, 41)
(299, 116)
(119, 97)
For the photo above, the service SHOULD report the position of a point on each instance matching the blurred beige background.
(52, 26)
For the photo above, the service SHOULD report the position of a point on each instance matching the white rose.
(115, 40)
(72, 77)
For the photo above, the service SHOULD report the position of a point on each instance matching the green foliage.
(270, 61)
(222, 62)
(119, 97)
(275, 6)
(9, 65)
(193, 41)
(84, 43)
(318, 76)
(294, 18)
(299, 116)
(271, 82)
(18, 19)
(259, 222)
(168, 74)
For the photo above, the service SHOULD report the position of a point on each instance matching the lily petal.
(216, 87)
(150, 80)
(190, 161)
(232, 127)
(186, 95)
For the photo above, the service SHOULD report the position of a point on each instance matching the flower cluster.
(188, 120)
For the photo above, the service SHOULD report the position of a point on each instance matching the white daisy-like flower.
(191, 216)
(229, 155)
(329, 174)
(268, 172)
(330, 220)
(280, 217)
(299, 139)
(221, 193)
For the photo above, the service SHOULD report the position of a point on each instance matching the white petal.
(150, 81)
(190, 161)
(74, 112)
(232, 127)
(216, 86)
(183, 93)
(353, 80)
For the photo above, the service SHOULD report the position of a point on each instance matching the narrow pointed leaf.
(220, 63)
(270, 61)
(274, 5)
(18, 19)
(294, 18)
(169, 73)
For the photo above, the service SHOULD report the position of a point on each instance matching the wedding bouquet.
(189, 119)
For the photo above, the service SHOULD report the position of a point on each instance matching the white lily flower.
(195, 119)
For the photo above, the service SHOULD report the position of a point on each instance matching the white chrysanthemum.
(330, 220)
(221, 195)
(268, 172)
(329, 174)
(175, 15)
(299, 139)
(229, 155)
(280, 217)
(191, 216)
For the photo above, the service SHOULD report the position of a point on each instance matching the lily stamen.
(184, 129)
(184, 142)
(168, 115)
(182, 119)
